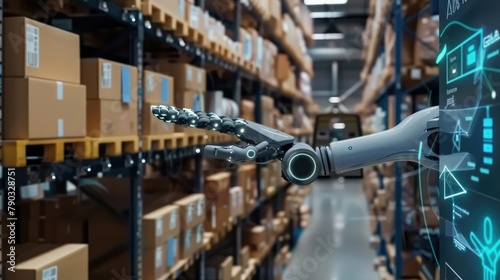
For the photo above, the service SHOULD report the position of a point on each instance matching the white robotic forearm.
(301, 164)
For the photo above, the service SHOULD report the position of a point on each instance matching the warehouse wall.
(348, 76)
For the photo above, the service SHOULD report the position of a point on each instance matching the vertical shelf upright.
(398, 215)
(136, 42)
(236, 96)
(200, 262)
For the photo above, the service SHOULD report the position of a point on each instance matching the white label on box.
(200, 207)
(173, 219)
(199, 234)
(158, 257)
(214, 217)
(189, 74)
(159, 227)
(187, 239)
(200, 77)
(60, 128)
(60, 90)
(248, 47)
(174, 248)
(32, 46)
(190, 212)
(193, 16)
(181, 8)
(50, 273)
(106, 75)
(150, 83)
(30, 191)
(416, 74)
(260, 45)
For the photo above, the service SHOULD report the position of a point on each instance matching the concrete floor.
(340, 220)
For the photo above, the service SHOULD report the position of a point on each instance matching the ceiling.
(346, 20)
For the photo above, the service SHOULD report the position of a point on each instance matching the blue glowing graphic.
(489, 252)
(463, 59)
(450, 273)
(452, 186)
(442, 54)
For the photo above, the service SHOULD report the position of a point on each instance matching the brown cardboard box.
(236, 273)
(154, 262)
(257, 251)
(70, 230)
(186, 76)
(255, 235)
(219, 268)
(177, 9)
(267, 109)
(428, 217)
(187, 242)
(37, 50)
(245, 256)
(248, 182)
(111, 118)
(194, 100)
(109, 80)
(428, 44)
(159, 225)
(282, 67)
(65, 262)
(218, 204)
(62, 106)
(192, 210)
(158, 88)
(237, 207)
(247, 109)
(151, 125)
(195, 17)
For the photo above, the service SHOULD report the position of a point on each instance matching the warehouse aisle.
(340, 218)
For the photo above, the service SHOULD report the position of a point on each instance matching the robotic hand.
(414, 137)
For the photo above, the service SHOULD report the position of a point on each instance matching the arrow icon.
(452, 187)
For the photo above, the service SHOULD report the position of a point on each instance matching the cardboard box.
(160, 225)
(109, 80)
(186, 76)
(158, 88)
(428, 43)
(255, 235)
(62, 106)
(187, 243)
(245, 256)
(248, 181)
(237, 205)
(195, 17)
(219, 268)
(194, 100)
(37, 50)
(154, 262)
(236, 273)
(176, 9)
(257, 251)
(65, 262)
(111, 118)
(247, 109)
(218, 204)
(151, 125)
(192, 210)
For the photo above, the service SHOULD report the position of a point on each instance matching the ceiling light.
(328, 36)
(325, 2)
(334, 99)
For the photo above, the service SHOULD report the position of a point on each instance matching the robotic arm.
(301, 164)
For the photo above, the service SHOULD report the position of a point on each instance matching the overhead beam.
(339, 15)
(345, 54)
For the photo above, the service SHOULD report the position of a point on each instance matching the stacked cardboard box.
(159, 90)
(190, 85)
(267, 70)
(68, 261)
(192, 217)
(275, 17)
(428, 44)
(161, 231)
(237, 205)
(219, 205)
(256, 239)
(248, 183)
(42, 70)
(267, 111)
(111, 97)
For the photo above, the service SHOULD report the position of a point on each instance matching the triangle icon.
(452, 187)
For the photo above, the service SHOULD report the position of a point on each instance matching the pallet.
(168, 21)
(114, 146)
(195, 139)
(181, 266)
(162, 142)
(134, 4)
(14, 152)
(215, 48)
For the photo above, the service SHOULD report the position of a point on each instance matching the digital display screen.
(469, 211)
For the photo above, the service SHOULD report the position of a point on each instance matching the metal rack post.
(236, 96)
(136, 41)
(398, 219)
